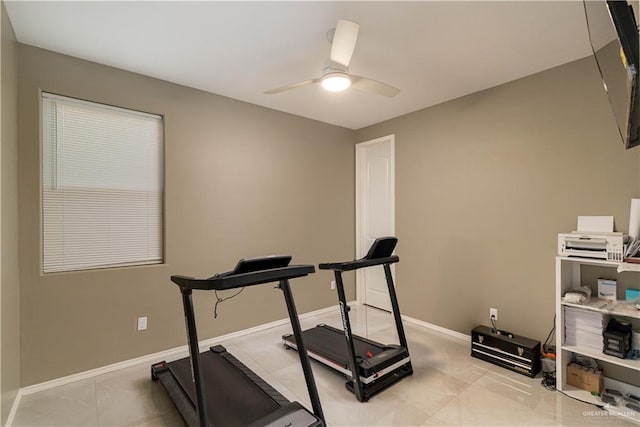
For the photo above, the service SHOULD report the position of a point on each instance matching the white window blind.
(102, 185)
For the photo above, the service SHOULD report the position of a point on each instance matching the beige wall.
(9, 289)
(483, 185)
(241, 180)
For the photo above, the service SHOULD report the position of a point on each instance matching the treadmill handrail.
(357, 264)
(245, 279)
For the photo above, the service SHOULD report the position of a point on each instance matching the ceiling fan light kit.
(336, 77)
(335, 82)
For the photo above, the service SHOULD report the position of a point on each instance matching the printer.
(609, 246)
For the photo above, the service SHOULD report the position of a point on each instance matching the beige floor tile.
(67, 405)
(513, 386)
(128, 397)
(265, 348)
(428, 389)
(171, 419)
(566, 411)
(477, 406)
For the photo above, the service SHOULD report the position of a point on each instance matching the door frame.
(360, 251)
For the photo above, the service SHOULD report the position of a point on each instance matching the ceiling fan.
(335, 75)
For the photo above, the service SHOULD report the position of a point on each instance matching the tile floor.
(448, 388)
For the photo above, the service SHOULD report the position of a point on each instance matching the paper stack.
(583, 328)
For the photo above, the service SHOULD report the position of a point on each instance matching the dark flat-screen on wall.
(613, 33)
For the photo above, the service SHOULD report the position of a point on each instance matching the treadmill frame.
(363, 388)
(231, 281)
(359, 387)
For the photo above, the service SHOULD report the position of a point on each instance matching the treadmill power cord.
(219, 300)
(493, 323)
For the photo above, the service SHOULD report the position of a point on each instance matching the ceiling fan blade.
(368, 85)
(291, 86)
(344, 41)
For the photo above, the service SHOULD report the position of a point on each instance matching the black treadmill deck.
(244, 399)
(327, 345)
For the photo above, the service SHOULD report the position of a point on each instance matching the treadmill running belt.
(330, 343)
(235, 401)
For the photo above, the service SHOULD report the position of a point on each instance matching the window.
(102, 185)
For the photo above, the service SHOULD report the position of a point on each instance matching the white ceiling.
(433, 51)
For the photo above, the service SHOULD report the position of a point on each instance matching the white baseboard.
(168, 355)
(14, 408)
(450, 332)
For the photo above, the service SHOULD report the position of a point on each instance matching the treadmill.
(214, 388)
(369, 365)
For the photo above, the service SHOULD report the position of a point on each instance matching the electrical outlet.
(493, 314)
(333, 284)
(142, 323)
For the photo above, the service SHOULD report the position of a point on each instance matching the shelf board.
(628, 266)
(580, 394)
(592, 261)
(615, 308)
(627, 363)
(620, 266)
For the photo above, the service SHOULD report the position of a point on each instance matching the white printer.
(609, 246)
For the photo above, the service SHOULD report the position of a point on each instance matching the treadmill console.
(380, 252)
(248, 265)
(382, 247)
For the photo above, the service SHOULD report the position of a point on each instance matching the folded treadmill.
(214, 388)
(369, 366)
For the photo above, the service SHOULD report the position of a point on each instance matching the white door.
(375, 214)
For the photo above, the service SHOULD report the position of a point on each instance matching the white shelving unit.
(567, 277)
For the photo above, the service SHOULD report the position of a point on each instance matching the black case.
(513, 352)
(616, 343)
(617, 338)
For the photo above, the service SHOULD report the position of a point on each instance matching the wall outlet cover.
(142, 323)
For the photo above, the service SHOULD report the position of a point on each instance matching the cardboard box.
(607, 289)
(584, 378)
